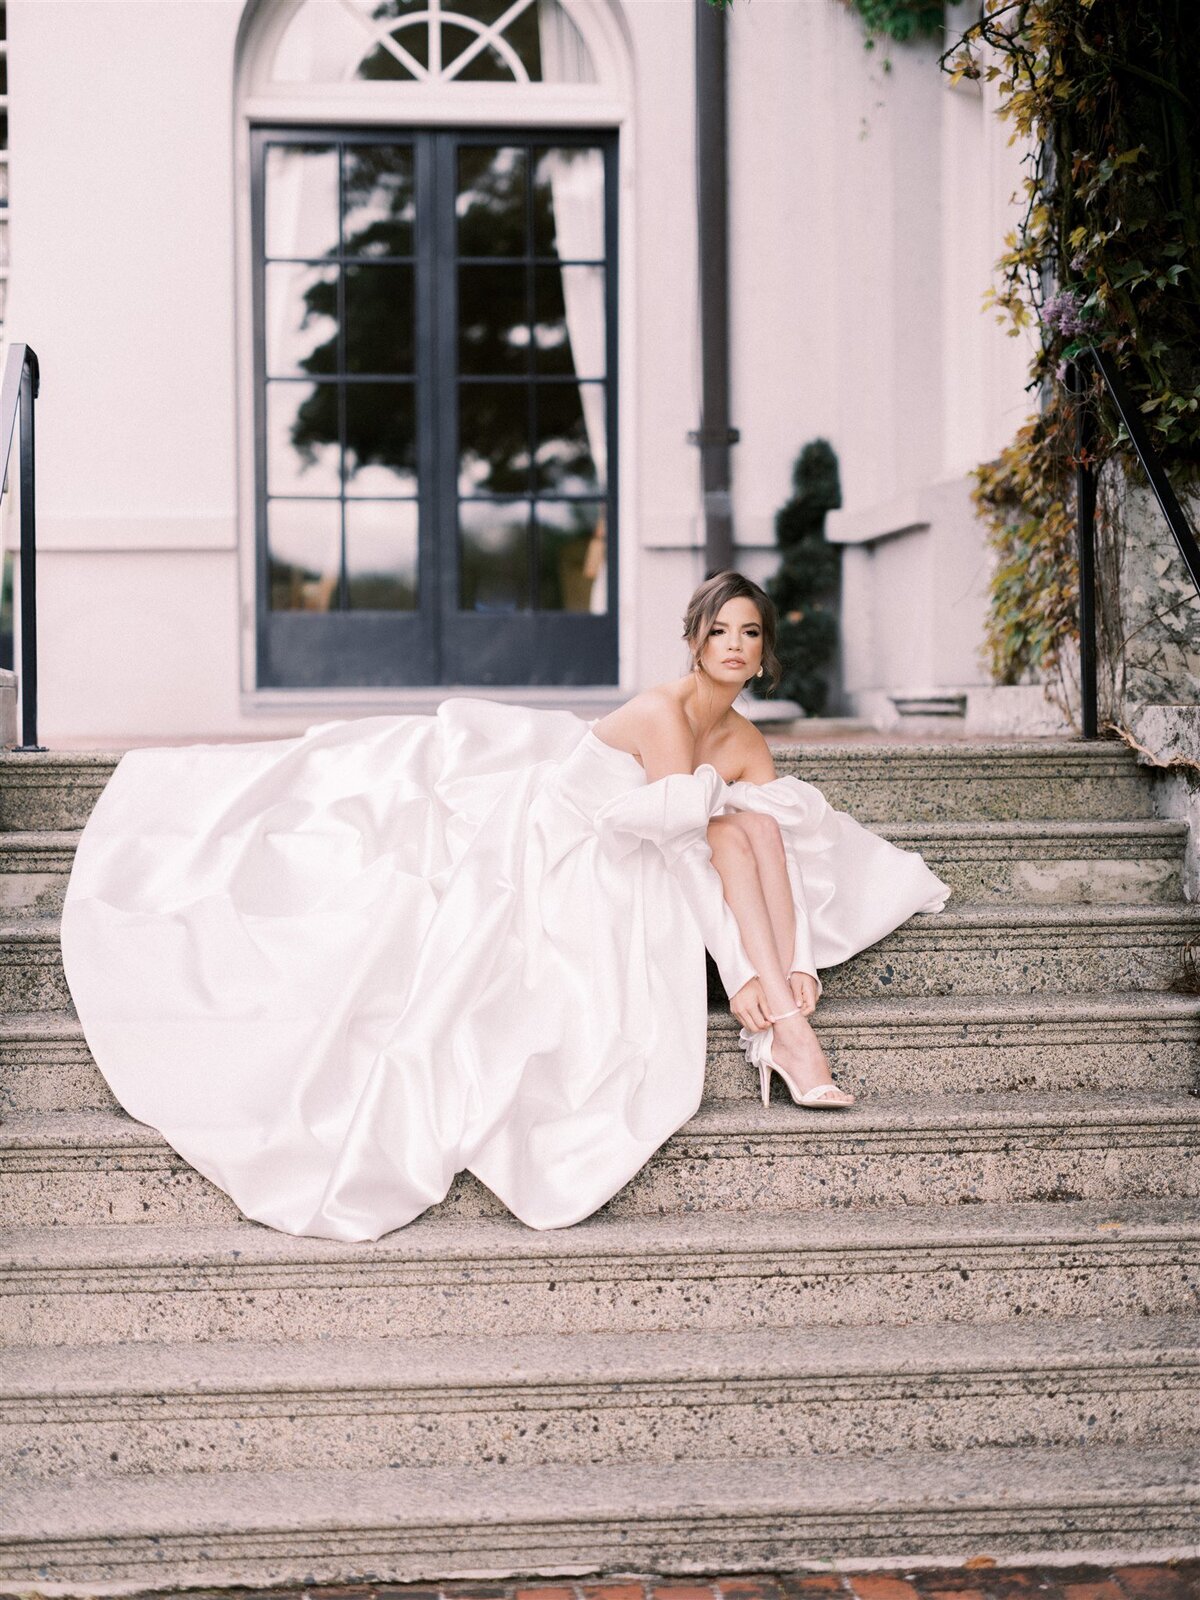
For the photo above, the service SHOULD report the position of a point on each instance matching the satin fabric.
(336, 970)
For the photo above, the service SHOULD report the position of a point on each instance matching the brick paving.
(980, 1579)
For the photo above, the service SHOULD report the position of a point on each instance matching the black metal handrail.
(1085, 509)
(18, 391)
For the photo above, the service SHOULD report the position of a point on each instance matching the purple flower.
(1063, 314)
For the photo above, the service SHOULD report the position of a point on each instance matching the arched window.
(434, 325)
(438, 41)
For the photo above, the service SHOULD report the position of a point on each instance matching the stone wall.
(1148, 608)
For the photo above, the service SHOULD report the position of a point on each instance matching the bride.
(335, 971)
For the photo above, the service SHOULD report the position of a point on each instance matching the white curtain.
(577, 189)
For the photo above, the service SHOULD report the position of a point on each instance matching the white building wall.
(120, 125)
(852, 301)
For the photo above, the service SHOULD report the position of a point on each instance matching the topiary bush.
(806, 588)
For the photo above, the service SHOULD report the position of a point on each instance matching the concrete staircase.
(962, 1318)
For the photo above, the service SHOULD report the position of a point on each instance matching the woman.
(337, 970)
(730, 628)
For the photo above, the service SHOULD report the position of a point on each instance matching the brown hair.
(707, 601)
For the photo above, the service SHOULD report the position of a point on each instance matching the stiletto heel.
(758, 1052)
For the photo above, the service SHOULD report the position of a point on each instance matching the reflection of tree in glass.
(493, 318)
(376, 179)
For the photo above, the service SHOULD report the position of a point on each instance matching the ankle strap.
(783, 1014)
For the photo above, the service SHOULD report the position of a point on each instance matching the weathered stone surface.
(89, 1169)
(710, 1271)
(950, 1044)
(692, 1516)
(365, 1404)
(954, 1318)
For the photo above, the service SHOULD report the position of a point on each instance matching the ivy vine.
(1106, 251)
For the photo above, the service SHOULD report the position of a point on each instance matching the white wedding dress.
(336, 970)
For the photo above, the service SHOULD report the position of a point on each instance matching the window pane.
(491, 201)
(569, 325)
(379, 319)
(493, 438)
(379, 200)
(572, 572)
(381, 555)
(381, 451)
(570, 437)
(494, 555)
(302, 435)
(301, 318)
(568, 203)
(302, 200)
(493, 320)
(485, 66)
(304, 554)
(384, 64)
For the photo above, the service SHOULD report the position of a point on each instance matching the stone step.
(1054, 863)
(957, 1044)
(972, 950)
(1049, 863)
(33, 871)
(971, 1044)
(343, 1405)
(970, 781)
(715, 1515)
(715, 1271)
(86, 1169)
(956, 782)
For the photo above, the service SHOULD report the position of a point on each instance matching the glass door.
(435, 432)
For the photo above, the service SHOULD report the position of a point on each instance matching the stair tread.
(558, 1359)
(47, 1250)
(967, 917)
(449, 1497)
(1003, 1112)
(876, 1010)
(1151, 828)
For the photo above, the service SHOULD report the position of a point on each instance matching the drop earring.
(759, 673)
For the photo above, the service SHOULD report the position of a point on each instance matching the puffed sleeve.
(673, 814)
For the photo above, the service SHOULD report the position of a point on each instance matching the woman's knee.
(725, 837)
(761, 829)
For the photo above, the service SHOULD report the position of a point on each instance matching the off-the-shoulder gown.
(336, 970)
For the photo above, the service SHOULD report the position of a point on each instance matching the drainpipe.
(714, 436)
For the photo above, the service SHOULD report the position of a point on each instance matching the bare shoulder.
(750, 752)
(652, 727)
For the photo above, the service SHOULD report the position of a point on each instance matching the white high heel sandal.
(758, 1054)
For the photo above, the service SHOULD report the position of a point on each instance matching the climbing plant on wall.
(1106, 251)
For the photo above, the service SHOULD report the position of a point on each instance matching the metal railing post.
(29, 709)
(1085, 524)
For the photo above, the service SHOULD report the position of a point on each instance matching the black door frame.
(436, 644)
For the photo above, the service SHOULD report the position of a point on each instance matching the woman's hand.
(804, 991)
(749, 1006)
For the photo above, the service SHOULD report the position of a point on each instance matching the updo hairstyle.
(707, 601)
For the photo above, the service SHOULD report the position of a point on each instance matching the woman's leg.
(753, 881)
(766, 841)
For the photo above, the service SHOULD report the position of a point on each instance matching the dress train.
(336, 970)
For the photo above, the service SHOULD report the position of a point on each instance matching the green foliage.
(1032, 534)
(900, 20)
(805, 588)
(1106, 252)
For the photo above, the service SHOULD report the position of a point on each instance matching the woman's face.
(732, 652)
